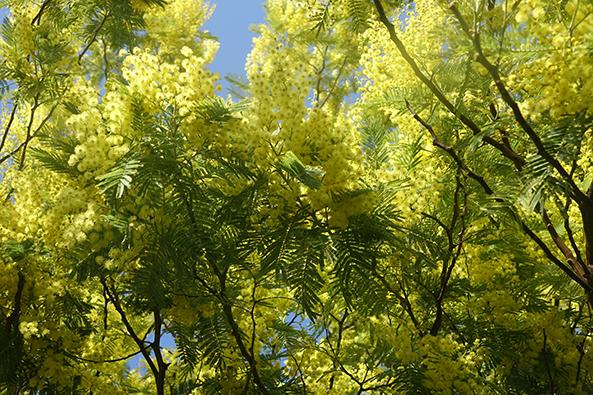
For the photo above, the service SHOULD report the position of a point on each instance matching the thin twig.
(37, 18)
(581, 270)
(449, 150)
(452, 258)
(547, 364)
(114, 299)
(508, 99)
(8, 126)
(31, 136)
(320, 74)
(29, 126)
(124, 358)
(12, 321)
(93, 37)
(236, 332)
(581, 350)
(403, 299)
(335, 83)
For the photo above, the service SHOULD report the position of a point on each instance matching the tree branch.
(93, 37)
(578, 279)
(30, 137)
(448, 267)
(517, 160)
(449, 150)
(124, 358)
(403, 300)
(12, 321)
(581, 270)
(8, 126)
(31, 119)
(236, 332)
(37, 18)
(508, 99)
(547, 364)
(156, 348)
(113, 298)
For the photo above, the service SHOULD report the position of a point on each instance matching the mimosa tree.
(397, 199)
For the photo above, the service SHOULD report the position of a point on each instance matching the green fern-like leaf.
(212, 338)
(359, 12)
(319, 17)
(376, 139)
(216, 110)
(303, 274)
(54, 162)
(308, 175)
(120, 176)
(281, 249)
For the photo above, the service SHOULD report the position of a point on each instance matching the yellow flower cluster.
(160, 83)
(24, 30)
(449, 370)
(281, 118)
(558, 77)
(50, 207)
(163, 26)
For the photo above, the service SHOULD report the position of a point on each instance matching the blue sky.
(230, 23)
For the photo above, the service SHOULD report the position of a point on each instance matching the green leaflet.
(308, 175)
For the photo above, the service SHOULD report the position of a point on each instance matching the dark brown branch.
(252, 316)
(37, 18)
(449, 150)
(583, 283)
(453, 255)
(582, 271)
(442, 225)
(581, 350)
(105, 60)
(403, 300)
(504, 136)
(587, 217)
(584, 199)
(105, 314)
(25, 143)
(566, 216)
(8, 126)
(571, 239)
(508, 99)
(517, 160)
(301, 374)
(553, 258)
(547, 364)
(203, 282)
(336, 352)
(12, 321)
(156, 348)
(29, 126)
(227, 307)
(114, 299)
(93, 37)
(124, 358)
(236, 332)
